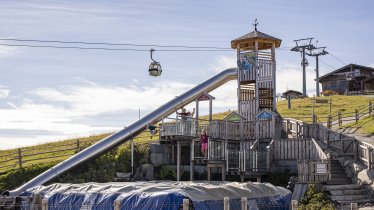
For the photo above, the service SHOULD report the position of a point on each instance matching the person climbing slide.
(152, 130)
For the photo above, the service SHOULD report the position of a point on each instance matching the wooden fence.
(342, 144)
(361, 92)
(22, 157)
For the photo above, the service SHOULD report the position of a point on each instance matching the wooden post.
(289, 102)
(370, 107)
(356, 115)
(294, 205)
(354, 206)
(209, 170)
(244, 202)
(355, 150)
(20, 157)
(186, 204)
(45, 204)
(78, 145)
(117, 204)
(370, 159)
(192, 160)
(329, 122)
(178, 161)
(226, 203)
(340, 118)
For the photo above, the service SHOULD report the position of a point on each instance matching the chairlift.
(155, 67)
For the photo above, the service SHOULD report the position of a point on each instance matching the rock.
(145, 172)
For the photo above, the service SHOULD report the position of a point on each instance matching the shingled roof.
(255, 35)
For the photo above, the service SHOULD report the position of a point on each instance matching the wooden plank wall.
(248, 109)
(265, 79)
(297, 149)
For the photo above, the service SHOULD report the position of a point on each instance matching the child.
(204, 143)
(152, 130)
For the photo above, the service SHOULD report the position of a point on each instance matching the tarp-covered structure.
(165, 195)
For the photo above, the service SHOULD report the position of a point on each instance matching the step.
(348, 192)
(362, 201)
(338, 175)
(338, 182)
(349, 197)
(342, 187)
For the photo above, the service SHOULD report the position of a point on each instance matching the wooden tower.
(256, 75)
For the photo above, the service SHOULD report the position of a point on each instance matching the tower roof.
(248, 41)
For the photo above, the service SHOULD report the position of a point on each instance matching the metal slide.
(132, 130)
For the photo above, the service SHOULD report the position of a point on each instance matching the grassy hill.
(302, 108)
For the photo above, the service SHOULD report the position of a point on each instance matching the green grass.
(301, 109)
(364, 125)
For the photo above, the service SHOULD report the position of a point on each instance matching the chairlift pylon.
(155, 67)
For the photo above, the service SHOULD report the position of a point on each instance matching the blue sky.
(52, 94)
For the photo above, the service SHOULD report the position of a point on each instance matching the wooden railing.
(342, 144)
(220, 129)
(179, 127)
(23, 157)
(361, 92)
(216, 150)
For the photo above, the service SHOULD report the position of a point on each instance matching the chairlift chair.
(155, 69)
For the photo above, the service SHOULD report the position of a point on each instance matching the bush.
(314, 199)
(16, 178)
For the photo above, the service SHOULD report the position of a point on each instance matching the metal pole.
(313, 111)
(317, 77)
(132, 157)
(304, 76)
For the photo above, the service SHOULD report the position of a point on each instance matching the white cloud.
(63, 108)
(224, 62)
(290, 77)
(4, 92)
(6, 51)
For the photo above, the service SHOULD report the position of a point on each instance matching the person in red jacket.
(204, 143)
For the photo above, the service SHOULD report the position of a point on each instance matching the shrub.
(314, 199)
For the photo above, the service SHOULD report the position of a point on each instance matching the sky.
(53, 94)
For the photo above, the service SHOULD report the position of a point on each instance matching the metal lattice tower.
(301, 46)
(316, 52)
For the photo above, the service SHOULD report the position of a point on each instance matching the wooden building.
(349, 79)
(238, 144)
(291, 94)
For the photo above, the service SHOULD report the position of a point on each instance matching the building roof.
(264, 39)
(292, 91)
(353, 66)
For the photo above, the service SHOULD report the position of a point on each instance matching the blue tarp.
(159, 195)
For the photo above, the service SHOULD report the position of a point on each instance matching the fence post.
(370, 159)
(117, 204)
(340, 118)
(226, 203)
(370, 107)
(244, 203)
(186, 204)
(45, 204)
(356, 115)
(329, 122)
(294, 205)
(20, 157)
(78, 145)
